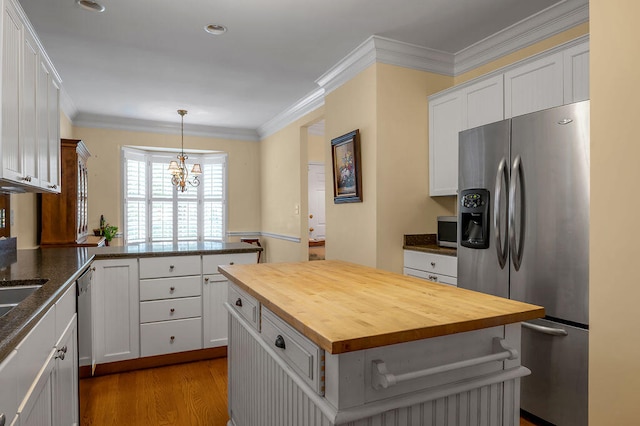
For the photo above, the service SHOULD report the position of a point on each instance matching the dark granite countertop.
(62, 266)
(426, 243)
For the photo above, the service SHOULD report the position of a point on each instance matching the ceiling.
(145, 59)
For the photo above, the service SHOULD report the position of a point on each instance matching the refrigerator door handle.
(516, 175)
(546, 330)
(501, 175)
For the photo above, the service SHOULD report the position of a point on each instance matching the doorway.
(316, 191)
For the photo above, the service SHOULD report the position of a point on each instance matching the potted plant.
(109, 232)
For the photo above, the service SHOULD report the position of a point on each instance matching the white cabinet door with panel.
(576, 73)
(445, 122)
(116, 319)
(214, 295)
(483, 103)
(9, 389)
(534, 86)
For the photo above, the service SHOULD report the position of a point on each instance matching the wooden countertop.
(344, 307)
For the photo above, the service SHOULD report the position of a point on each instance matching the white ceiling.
(144, 59)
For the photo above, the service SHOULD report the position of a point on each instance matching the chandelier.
(178, 169)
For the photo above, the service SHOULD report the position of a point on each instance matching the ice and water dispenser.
(474, 218)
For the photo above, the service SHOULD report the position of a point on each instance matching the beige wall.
(352, 227)
(404, 205)
(316, 149)
(25, 208)
(105, 184)
(614, 351)
(283, 189)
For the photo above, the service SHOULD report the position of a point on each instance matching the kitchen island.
(329, 342)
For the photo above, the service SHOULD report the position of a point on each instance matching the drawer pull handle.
(52, 186)
(172, 338)
(60, 354)
(171, 267)
(64, 349)
(433, 277)
(239, 302)
(172, 310)
(433, 264)
(231, 263)
(172, 289)
(280, 342)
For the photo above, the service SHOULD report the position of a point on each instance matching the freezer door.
(484, 164)
(549, 211)
(556, 390)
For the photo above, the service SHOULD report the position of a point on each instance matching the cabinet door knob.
(64, 349)
(280, 342)
(310, 229)
(172, 289)
(172, 338)
(231, 263)
(433, 277)
(310, 216)
(206, 280)
(172, 310)
(433, 264)
(239, 302)
(53, 186)
(171, 267)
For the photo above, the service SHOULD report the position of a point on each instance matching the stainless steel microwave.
(447, 231)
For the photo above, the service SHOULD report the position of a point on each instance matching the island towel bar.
(382, 378)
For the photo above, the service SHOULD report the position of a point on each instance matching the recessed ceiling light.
(91, 5)
(215, 29)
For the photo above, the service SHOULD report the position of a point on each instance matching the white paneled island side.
(330, 342)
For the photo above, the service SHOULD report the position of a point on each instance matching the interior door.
(317, 222)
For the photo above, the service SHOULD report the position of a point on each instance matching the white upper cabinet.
(12, 35)
(30, 105)
(548, 80)
(445, 121)
(483, 102)
(576, 73)
(534, 86)
(469, 106)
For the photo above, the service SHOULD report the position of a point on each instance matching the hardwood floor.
(192, 394)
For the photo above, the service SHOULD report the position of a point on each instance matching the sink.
(15, 291)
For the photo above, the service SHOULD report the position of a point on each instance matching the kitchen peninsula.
(329, 342)
(38, 343)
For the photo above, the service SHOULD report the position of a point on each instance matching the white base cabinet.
(116, 306)
(214, 295)
(40, 377)
(431, 267)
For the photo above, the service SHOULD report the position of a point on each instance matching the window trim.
(148, 155)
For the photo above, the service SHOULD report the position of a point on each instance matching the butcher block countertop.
(344, 307)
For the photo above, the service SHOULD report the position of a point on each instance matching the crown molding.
(67, 105)
(137, 125)
(388, 51)
(312, 101)
(546, 23)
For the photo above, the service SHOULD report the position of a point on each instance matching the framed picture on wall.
(347, 174)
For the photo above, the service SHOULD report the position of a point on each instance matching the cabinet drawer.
(300, 353)
(170, 309)
(430, 276)
(166, 337)
(211, 262)
(247, 306)
(440, 264)
(169, 266)
(165, 288)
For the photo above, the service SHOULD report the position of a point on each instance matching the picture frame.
(347, 173)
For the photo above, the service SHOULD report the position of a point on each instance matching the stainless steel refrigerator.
(523, 233)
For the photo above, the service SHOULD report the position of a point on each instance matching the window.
(154, 211)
